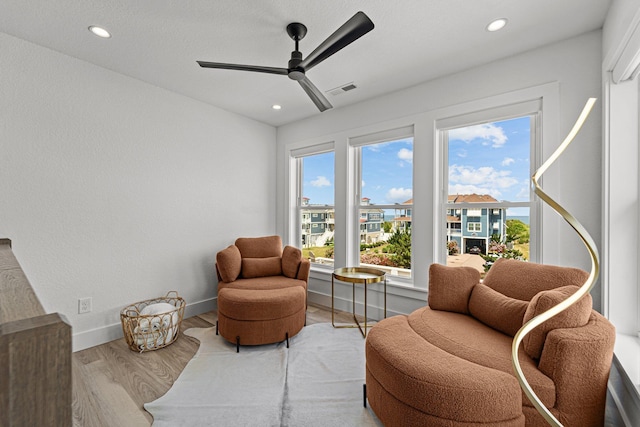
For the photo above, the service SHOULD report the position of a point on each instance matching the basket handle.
(172, 292)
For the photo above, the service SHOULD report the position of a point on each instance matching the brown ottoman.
(254, 317)
(412, 382)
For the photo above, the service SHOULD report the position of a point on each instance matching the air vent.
(342, 89)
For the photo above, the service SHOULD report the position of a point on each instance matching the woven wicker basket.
(146, 332)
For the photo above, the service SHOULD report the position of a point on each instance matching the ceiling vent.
(342, 89)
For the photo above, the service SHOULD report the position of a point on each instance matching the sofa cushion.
(260, 267)
(469, 339)
(253, 305)
(448, 390)
(496, 310)
(291, 261)
(575, 316)
(450, 287)
(264, 283)
(530, 278)
(229, 263)
(260, 247)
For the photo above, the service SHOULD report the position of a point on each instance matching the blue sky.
(491, 158)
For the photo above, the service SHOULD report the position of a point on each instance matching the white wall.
(575, 179)
(621, 211)
(114, 189)
(621, 215)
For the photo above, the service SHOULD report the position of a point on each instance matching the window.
(384, 176)
(474, 226)
(315, 206)
(488, 165)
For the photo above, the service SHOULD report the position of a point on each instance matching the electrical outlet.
(84, 305)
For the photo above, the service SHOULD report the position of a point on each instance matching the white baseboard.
(97, 336)
(342, 304)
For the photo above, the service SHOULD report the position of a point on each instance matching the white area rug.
(316, 382)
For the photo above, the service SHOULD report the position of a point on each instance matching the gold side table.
(358, 275)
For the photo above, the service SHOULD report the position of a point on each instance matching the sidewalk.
(466, 260)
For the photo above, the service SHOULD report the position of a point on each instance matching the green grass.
(524, 248)
(318, 251)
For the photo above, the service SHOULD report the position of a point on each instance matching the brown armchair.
(262, 291)
(449, 364)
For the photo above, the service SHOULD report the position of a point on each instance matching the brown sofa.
(449, 364)
(262, 291)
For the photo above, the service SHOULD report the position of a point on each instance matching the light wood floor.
(111, 382)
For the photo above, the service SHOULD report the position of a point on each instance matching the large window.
(384, 204)
(315, 206)
(408, 192)
(489, 199)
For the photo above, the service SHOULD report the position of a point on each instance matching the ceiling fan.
(350, 31)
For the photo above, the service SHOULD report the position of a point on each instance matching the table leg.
(385, 296)
(332, 310)
(365, 310)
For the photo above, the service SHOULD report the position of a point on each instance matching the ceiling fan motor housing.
(295, 71)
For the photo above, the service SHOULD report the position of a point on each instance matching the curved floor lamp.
(584, 289)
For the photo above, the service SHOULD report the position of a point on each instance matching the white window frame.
(532, 108)
(296, 161)
(477, 227)
(429, 225)
(355, 151)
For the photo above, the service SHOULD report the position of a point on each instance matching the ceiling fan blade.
(314, 93)
(259, 69)
(352, 30)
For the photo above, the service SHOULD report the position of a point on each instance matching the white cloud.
(406, 155)
(488, 132)
(524, 192)
(471, 189)
(462, 153)
(321, 181)
(483, 180)
(399, 195)
(363, 183)
(507, 161)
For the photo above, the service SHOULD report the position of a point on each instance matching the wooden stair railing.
(35, 353)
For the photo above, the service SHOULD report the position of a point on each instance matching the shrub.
(507, 253)
(400, 248)
(375, 259)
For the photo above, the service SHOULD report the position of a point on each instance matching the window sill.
(627, 351)
(324, 273)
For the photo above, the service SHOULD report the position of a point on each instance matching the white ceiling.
(159, 41)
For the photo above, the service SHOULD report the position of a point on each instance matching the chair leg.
(216, 327)
(287, 338)
(238, 344)
(364, 395)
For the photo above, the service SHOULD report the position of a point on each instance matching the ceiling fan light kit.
(350, 31)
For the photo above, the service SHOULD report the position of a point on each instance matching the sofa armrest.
(578, 360)
(303, 271)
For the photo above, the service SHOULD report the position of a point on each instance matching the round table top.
(364, 275)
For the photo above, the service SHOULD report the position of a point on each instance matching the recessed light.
(497, 24)
(276, 107)
(100, 32)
